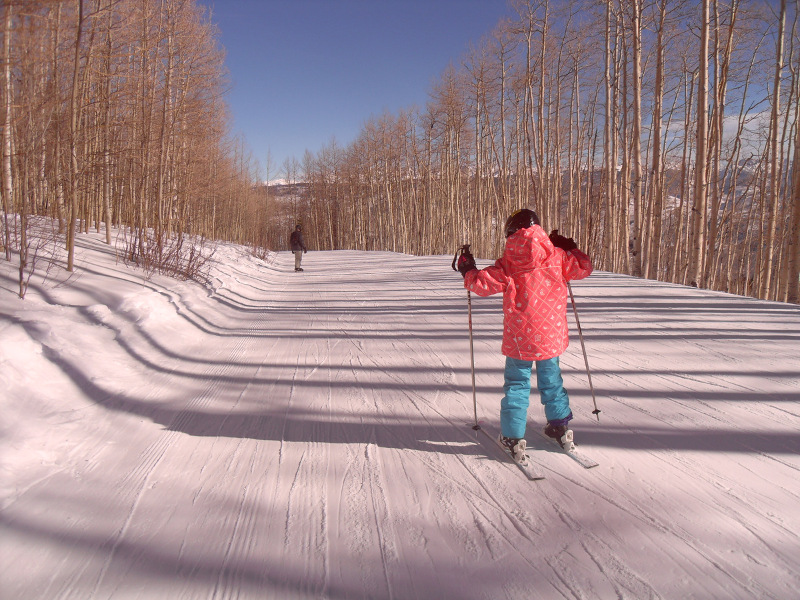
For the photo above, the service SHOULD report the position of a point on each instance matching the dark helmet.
(298, 227)
(521, 219)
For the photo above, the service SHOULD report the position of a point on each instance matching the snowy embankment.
(283, 435)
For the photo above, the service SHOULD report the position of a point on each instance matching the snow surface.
(305, 435)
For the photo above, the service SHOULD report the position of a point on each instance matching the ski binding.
(532, 470)
(567, 445)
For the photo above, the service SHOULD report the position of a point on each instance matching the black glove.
(466, 263)
(305, 251)
(559, 241)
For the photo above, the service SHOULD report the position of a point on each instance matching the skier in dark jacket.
(298, 246)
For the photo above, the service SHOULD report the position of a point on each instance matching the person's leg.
(551, 389)
(514, 405)
(298, 256)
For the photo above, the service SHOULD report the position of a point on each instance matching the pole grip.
(460, 252)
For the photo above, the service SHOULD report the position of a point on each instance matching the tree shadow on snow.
(301, 426)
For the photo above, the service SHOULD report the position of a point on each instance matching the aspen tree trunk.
(161, 227)
(619, 228)
(57, 178)
(478, 163)
(785, 184)
(573, 153)
(139, 191)
(793, 246)
(772, 201)
(503, 158)
(555, 135)
(715, 149)
(763, 207)
(681, 257)
(636, 183)
(587, 147)
(74, 120)
(722, 64)
(544, 184)
(653, 265)
(623, 210)
(87, 119)
(7, 128)
(608, 146)
(793, 243)
(107, 131)
(697, 232)
(520, 173)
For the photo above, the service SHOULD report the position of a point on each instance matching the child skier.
(532, 275)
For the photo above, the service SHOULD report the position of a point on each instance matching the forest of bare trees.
(113, 117)
(661, 134)
(556, 109)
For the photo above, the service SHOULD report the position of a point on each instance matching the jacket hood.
(529, 247)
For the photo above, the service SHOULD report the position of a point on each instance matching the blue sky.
(304, 72)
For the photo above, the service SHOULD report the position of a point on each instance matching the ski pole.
(460, 252)
(596, 411)
(472, 361)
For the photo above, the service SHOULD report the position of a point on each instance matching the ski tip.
(528, 466)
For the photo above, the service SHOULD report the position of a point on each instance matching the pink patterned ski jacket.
(533, 275)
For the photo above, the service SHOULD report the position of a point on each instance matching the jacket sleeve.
(576, 265)
(488, 281)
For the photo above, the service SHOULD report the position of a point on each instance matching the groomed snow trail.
(306, 435)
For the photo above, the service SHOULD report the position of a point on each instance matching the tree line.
(113, 117)
(661, 134)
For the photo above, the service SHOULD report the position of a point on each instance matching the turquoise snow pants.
(517, 388)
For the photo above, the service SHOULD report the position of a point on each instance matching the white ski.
(570, 450)
(527, 466)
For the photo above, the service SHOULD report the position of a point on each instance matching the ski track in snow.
(307, 435)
